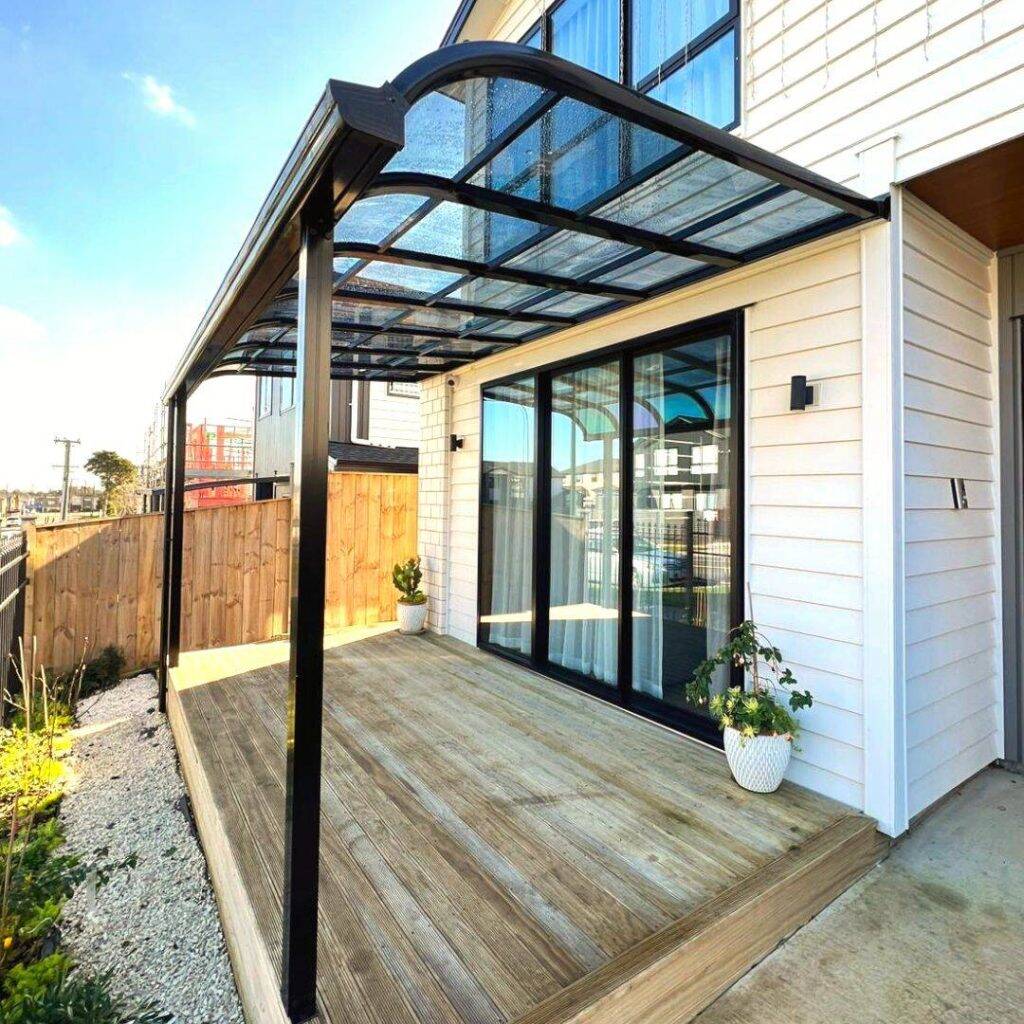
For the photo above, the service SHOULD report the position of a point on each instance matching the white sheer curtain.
(584, 567)
(649, 523)
(507, 504)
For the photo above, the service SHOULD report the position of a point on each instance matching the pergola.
(490, 195)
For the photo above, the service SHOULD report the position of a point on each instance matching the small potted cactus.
(758, 722)
(412, 602)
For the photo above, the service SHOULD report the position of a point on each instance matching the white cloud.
(94, 373)
(160, 99)
(9, 234)
(18, 331)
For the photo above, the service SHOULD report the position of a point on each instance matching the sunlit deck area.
(496, 847)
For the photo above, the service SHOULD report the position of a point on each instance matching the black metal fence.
(13, 581)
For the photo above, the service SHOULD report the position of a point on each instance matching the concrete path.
(934, 934)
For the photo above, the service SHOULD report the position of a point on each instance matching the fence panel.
(98, 582)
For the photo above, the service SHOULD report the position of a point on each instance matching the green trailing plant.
(36, 876)
(407, 577)
(765, 709)
(52, 991)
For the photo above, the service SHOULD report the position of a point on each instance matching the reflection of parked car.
(652, 566)
(656, 567)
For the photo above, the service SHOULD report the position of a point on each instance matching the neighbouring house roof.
(349, 455)
(493, 194)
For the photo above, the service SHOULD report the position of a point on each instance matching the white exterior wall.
(805, 555)
(394, 419)
(824, 80)
(953, 652)
(884, 598)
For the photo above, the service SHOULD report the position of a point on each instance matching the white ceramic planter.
(759, 762)
(412, 617)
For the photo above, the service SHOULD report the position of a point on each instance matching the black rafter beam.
(472, 268)
(520, 208)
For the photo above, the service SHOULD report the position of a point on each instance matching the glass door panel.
(584, 522)
(683, 462)
(507, 488)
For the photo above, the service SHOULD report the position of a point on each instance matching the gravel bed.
(155, 926)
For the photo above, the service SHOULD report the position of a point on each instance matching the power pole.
(65, 494)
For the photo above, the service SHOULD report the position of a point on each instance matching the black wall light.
(801, 394)
(454, 442)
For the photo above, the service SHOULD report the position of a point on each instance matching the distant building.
(374, 426)
(214, 452)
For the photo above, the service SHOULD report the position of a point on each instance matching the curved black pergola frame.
(285, 309)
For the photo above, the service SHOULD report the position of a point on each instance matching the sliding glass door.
(619, 581)
(683, 514)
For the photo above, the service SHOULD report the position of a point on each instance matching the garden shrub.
(50, 991)
(102, 671)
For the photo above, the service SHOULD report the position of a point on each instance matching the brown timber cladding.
(100, 580)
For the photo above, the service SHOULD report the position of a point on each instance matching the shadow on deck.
(496, 847)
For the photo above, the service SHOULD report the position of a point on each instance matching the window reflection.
(682, 514)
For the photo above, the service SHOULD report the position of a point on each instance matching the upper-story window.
(588, 33)
(265, 392)
(287, 393)
(682, 52)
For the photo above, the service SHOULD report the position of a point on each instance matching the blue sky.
(139, 139)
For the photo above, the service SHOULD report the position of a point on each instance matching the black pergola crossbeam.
(537, 212)
(487, 271)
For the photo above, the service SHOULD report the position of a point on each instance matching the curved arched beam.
(488, 59)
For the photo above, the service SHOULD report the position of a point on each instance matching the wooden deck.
(496, 847)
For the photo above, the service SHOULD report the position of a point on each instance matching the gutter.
(458, 22)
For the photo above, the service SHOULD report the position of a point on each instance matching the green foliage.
(103, 671)
(407, 577)
(30, 769)
(41, 880)
(117, 474)
(37, 876)
(50, 992)
(764, 710)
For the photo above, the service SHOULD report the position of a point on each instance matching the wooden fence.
(100, 580)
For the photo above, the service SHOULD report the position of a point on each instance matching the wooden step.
(675, 973)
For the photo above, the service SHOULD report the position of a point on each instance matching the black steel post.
(176, 503)
(165, 589)
(308, 575)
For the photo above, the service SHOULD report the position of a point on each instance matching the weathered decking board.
(499, 848)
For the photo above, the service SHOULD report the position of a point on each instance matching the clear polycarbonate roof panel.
(524, 202)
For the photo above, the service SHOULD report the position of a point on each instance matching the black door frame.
(731, 322)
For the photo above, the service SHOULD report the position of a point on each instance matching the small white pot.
(412, 617)
(758, 763)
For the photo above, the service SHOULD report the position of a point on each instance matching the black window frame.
(728, 24)
(622, 694)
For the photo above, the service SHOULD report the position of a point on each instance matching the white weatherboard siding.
(804, 488)
(953, 656)
(827, 79)
(394, 419)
